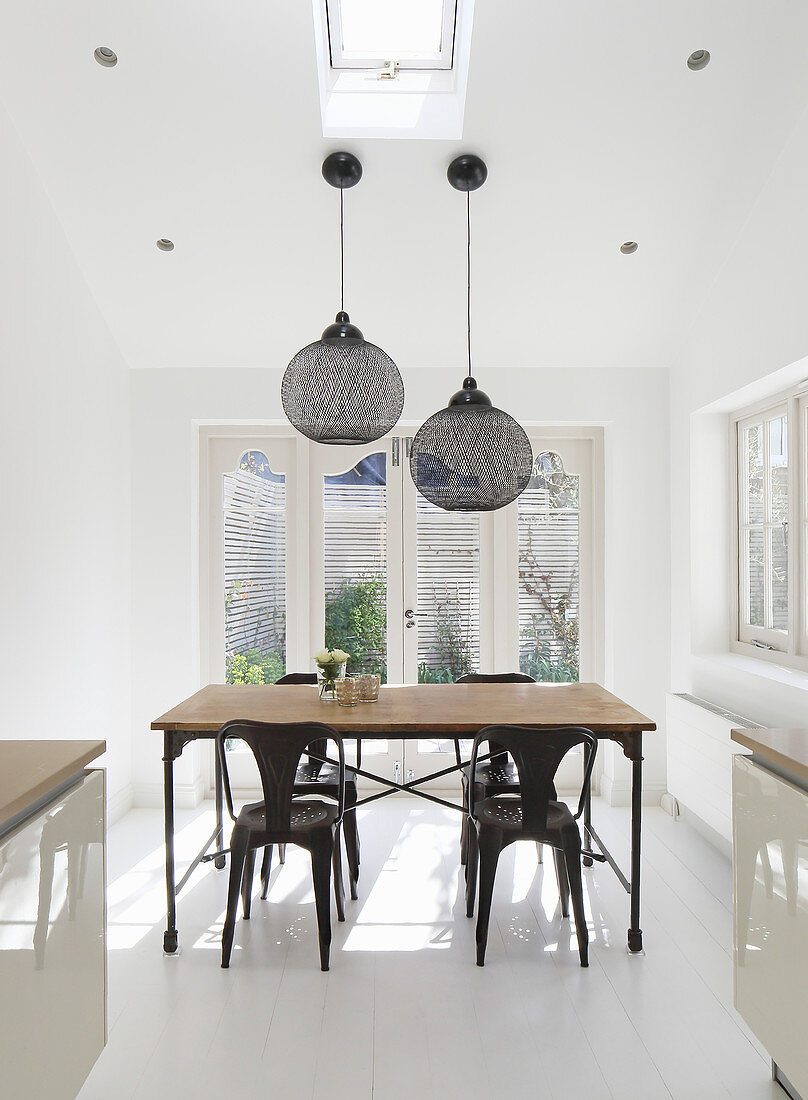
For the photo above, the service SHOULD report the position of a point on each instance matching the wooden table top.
(787, 748)
(411, 708)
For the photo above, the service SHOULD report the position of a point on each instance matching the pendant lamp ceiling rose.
(467, 172)
(469, 395)
(342, 170)
(342, 331)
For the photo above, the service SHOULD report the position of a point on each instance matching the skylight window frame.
(340, 61)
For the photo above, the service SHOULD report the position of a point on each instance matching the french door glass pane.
(755, 572)
(448, 579)
(754, 473)
(549, 566)
(355, 563)
(254, 500)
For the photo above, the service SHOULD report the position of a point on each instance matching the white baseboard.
(187, 796)
(715, 838)
(120, 803)
(619, 794)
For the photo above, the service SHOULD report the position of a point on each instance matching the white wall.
(633, 406)
(749, 340)
(64, 491)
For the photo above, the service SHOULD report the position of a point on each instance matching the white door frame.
(499, 646)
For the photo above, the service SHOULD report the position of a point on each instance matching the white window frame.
(341, 60)
(789, 648)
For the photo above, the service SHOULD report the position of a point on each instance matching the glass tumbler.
(369, 687)
(347, 691)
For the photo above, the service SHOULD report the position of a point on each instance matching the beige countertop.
(29, 770)
(786, 748)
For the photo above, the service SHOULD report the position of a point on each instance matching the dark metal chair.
(497, 775)
(281, 819)
(534, 814)
(320, 780)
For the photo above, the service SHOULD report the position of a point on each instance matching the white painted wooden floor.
(404, 1012)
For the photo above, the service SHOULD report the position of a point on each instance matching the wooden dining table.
(408, 712)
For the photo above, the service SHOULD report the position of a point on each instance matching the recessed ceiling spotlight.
(627, 247)
(107, 57)
(699, 59)
(165, 245)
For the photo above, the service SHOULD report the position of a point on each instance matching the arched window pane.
(355, 565)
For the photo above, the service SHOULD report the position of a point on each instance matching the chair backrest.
(277, 748)
(495, 678)
(537, 755)
(497, 755)
(298, 678)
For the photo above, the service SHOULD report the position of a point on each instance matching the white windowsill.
(752, 666)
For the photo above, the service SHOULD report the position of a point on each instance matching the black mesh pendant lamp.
(341, 389)
(471, 456)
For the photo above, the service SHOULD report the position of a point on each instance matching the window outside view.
(254, 501)
(549, 570)
(447, 547)
(355, 562)
(764, 526)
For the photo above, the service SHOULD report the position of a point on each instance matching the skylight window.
(391, 34)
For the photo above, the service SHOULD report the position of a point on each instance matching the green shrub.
(356, 621)
(253, 667)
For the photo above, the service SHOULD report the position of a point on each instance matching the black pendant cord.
(341, 255)
(468, 277)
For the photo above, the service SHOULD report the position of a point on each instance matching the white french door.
(356, 540)
(310, 545)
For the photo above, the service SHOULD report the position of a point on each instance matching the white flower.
(323, 657)
(339, 655)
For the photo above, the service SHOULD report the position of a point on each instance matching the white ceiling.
(208, 131)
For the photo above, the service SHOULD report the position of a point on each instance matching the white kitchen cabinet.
(770, 865)
(53, 945)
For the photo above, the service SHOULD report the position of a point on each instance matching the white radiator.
(700, 756)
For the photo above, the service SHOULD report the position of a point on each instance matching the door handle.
(409, 614)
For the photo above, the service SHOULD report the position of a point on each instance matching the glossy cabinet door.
(53, 946)
(770, 870)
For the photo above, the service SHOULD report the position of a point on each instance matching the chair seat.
(506, 814)
(304, 816)
(321, 775)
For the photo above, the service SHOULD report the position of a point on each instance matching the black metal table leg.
(587, 860)
(219, 861)
(634, 931)
(170, 934)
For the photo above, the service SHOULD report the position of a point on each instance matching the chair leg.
(563, 881)
(266, 867)
(238, 850)
(350, 831)
(472, 859)
(247, 882)
(489, 848)
(281, 854)
(464, 825)
(321, 874)
(339, 889)
(573, 861)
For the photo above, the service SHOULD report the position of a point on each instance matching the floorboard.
(404, 1011)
